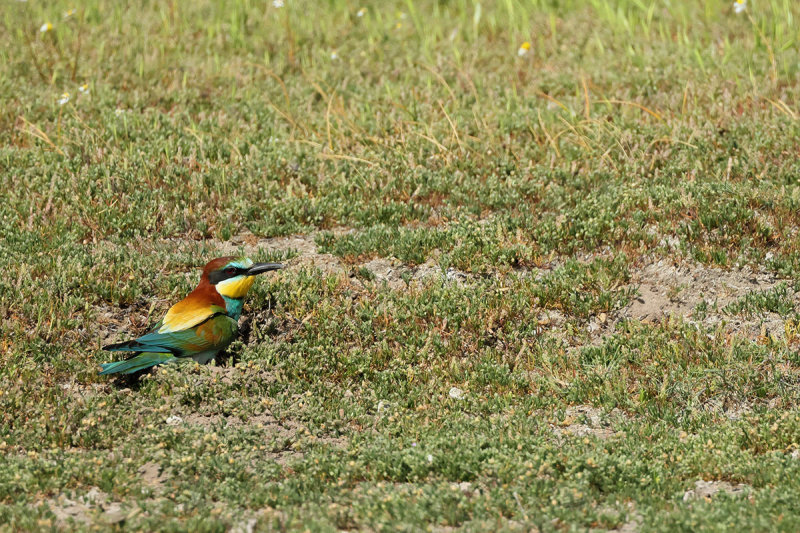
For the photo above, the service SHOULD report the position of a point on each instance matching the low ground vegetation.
(543, 264)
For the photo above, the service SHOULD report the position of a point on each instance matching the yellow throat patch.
(235, 287)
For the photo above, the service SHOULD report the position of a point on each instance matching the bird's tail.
(136, 363)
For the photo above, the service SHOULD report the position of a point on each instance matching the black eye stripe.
(223, 274)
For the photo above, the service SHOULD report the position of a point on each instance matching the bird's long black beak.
(259, 268)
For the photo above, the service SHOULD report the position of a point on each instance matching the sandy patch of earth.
(707, 490)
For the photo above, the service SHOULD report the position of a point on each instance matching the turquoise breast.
(233, 307)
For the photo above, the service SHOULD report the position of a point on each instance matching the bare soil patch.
(707, 490)
(667, 289)
(152, 475)
(93, 507)
(587, 420)
(676, 291)
(385, 270)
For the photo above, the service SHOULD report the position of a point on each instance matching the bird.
(199, 326)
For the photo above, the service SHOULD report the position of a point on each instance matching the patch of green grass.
(778, 299)
(583, 289)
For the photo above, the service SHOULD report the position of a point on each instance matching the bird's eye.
(230, 270)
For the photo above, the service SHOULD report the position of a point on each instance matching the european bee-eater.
(199, 326)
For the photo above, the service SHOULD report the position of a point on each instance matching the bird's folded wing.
(186, 314)
(214, 333)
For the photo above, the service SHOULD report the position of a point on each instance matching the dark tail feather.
(137, 363)
(135, 346)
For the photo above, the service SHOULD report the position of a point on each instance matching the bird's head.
(233, 277)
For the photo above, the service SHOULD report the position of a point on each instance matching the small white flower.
(46, 27)
(456, 393)
(361, 12)
(84, 89)
(68, 14)
(429, 458)
(63, 99)
(334, 55)
(523, 49)
(119, 112)
(413, 444)
(174, 420)
(277, 3)
(739, 6)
